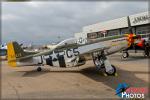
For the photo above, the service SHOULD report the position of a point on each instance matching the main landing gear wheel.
(112, 72)
(39, 69)
(125, 54)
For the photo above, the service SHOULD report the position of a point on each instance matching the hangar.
(140, 24)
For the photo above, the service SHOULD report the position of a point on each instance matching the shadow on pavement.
(112, 81)
(33, 73)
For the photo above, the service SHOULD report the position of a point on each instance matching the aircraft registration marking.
(72, 52)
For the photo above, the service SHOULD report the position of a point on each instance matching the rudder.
(14, 51)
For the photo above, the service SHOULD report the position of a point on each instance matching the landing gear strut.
(101, 62)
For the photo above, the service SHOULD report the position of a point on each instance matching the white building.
(140, 24)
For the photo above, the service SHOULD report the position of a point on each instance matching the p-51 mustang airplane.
(136, 43)
(69, 53)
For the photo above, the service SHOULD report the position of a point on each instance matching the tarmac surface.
(73, 83)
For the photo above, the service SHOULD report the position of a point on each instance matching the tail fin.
(14, 51)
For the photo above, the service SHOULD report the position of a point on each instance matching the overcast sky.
(44, 22)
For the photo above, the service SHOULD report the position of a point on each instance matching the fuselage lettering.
(68, 52)
(72, 52)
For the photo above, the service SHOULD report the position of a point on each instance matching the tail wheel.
(125, 54)
(112, 72)
(39, 69)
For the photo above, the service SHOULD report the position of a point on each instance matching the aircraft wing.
(94, 50)
(91, 48)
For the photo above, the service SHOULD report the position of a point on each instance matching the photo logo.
(123, 90)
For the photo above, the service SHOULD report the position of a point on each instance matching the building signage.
(141, 19)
